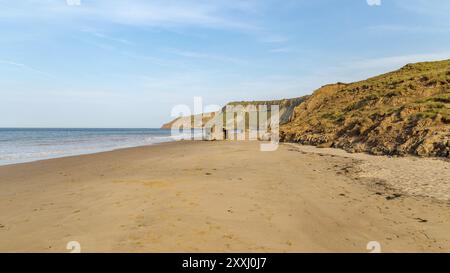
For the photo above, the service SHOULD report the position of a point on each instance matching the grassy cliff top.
(404, 111)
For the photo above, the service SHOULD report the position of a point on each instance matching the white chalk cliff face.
(188, 122)
(286, 109)
(216, 124)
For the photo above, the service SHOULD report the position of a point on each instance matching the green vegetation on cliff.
(403, 112)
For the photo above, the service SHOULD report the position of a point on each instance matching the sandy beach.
(225, 197)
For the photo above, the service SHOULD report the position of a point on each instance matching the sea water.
(25, 145)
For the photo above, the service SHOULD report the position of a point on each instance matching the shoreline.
(281, 143)
(88, 153)
(196, 196)
(23, 145)
(82, 154)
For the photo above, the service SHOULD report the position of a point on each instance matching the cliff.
(403, 112)
(287, 107)
(190, 120)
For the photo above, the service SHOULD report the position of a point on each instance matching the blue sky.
(112, 63)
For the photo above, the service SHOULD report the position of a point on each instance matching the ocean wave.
(42, 144)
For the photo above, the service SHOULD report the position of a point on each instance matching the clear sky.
(112, 63)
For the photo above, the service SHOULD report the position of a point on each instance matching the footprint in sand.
(228, 236)
(394, 196)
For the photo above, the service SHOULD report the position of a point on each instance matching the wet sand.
(225, 197)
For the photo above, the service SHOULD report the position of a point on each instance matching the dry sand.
(225, 197)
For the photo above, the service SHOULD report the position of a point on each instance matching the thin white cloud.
(25, 67)
(425, 7)
(111, 38)
(201, 13)
(281, 50)
(208, 56)
(241, 16)
(395, 61)
(360, 69)
(409, 28)
(273, 38)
